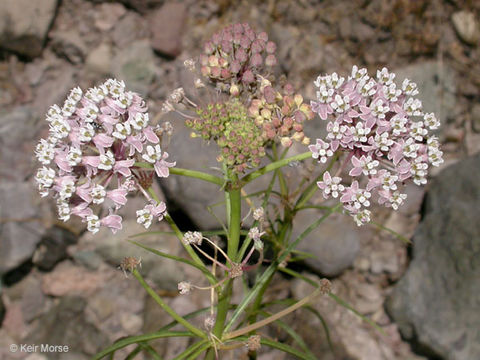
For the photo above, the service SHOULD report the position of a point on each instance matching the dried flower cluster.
(384, 132)
(89, 157)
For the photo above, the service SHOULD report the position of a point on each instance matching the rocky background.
(60, 285)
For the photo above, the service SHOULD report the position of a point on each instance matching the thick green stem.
(234, 211)
(234, 223)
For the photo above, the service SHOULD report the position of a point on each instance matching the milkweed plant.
(103, 148)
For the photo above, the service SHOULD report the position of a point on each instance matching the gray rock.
(18, 130)
(53, 248)
(334, 244)
(108, 14)
(354, 29)
(24, 25)
(166, 25)
(20, 235)
(90, 259)
(437, 302)
(69, 45)
(99, 60)
(129, 28)
(476, 118)
(65, 324)
(136, 66)
(436, 86)
(466, 27)
(59, 80)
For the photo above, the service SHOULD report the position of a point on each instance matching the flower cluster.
(281, 115)
(240, 140)
(89, 158)
(252, 114)
(384, 133)
(233, 57)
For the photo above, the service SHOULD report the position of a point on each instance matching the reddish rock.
(167, 24)
(69, 279)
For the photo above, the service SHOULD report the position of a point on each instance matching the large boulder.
(437, 303)
(24, 25)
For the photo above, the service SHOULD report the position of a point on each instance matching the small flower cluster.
(233, 57)
(281, 116)
(89, 158)
(384, 132)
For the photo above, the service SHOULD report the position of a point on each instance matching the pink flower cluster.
(234, 56)
(383, 132)
(89, 158)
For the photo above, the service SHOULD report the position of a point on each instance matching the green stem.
(234, 223)
(275, 165)
(196, 331)
(186, 172)
(234, 209)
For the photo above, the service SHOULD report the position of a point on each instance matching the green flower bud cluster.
(240, 139)
(210, 121)
(281, 115)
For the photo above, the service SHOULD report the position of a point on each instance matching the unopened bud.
(184, 287)
(258, 214)
(234, 90)
(193, 237)
(286, 141)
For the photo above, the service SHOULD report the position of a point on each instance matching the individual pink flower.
(330, 186)
(118, 196)
(114, 222)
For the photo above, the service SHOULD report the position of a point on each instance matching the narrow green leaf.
(399, 236)
(203, 269)
(199, 351)
(292, 333)
(195, 330)
(150, 350)
(286, 348)
(146, 233)
(140, 338)
(352, 309)
(191, 349)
